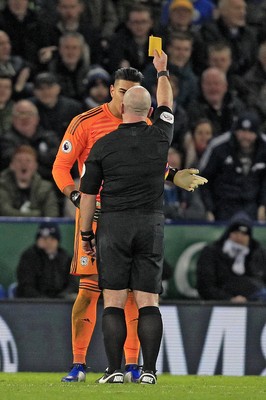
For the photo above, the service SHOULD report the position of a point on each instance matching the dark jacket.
(58, 117)
(13, 66)
(187, 82)
(39, 276)
(229, 189)
(6, 117)
(71, 82)
(255, 79)
(124, 47)
(217, 281)
(27, 36)
(180, 127)
(222, 119)
(90, 34)
(243, 44)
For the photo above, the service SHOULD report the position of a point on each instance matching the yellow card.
(155, 43)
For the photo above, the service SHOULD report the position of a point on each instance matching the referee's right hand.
(160, 61)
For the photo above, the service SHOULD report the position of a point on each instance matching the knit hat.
(238, 227)
(47, 229)
(248, 121)
(95, 74)
(240, 223)
(181, 3)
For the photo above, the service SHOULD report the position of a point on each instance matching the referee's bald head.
(137, 101)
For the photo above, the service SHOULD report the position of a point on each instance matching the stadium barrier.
(183, 242)
(19, 233)
(199, 338)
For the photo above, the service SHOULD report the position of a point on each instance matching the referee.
(131, 163)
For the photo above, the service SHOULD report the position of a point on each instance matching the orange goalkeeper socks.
(84, 318)
(132, 344)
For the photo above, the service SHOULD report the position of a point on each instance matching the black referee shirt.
(131, 162)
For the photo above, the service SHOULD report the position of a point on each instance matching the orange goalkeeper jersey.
(83, 131)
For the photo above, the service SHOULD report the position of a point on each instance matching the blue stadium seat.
(2, 292)
(11, 291)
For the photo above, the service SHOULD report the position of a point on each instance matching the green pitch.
(47, 386)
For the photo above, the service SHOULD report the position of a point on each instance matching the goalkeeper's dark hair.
(129, 74)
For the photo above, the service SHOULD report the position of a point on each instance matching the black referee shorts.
(130, 250)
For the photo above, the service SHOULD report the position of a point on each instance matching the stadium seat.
(11, 291)
(2, 292)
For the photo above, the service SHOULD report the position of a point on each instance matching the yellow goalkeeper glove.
(188, 179)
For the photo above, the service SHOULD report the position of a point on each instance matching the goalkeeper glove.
(75, 198)
(88, 236)
(188, 179)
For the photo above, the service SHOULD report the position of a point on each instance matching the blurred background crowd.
(58, 58)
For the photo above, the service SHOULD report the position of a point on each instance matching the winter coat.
(217, 281)
(230, 189)
(42, 198)
(41, 276)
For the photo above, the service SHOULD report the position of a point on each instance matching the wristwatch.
(163, 73)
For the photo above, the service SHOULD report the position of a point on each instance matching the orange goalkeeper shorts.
(82, 264)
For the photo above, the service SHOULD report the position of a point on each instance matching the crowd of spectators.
(57, 59)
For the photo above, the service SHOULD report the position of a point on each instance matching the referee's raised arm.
(164, 94)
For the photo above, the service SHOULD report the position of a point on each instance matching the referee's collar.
(130, 124)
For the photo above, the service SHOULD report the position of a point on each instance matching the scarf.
(238, 252)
